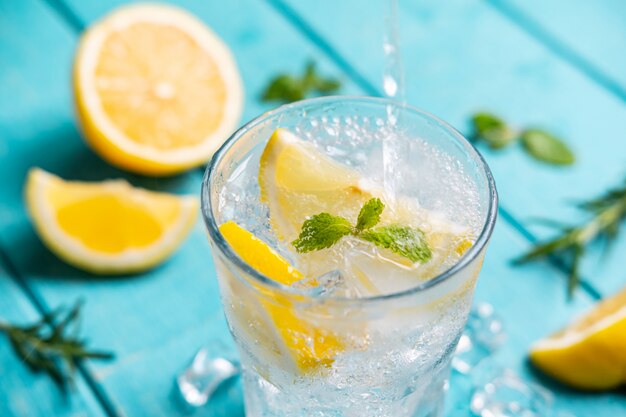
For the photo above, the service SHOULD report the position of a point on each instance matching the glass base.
(422, 396)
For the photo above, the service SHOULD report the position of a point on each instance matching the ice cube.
(507, 395)
(483, 335)
(211, 367)
(323, 285)
(374, 271)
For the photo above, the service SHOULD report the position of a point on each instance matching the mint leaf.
(403, 240)
(492, 130)
(327, 85)
(546, 147)
(324, 230)
(369, 216)
(284, 88)
(287, 88)
(320, 232)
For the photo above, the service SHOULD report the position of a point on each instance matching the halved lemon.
(309, 345)
(156, 91)
(591, 352)
(108, 227)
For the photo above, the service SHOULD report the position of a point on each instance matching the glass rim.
(223, 246)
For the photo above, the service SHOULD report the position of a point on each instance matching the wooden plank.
(22, 393)
(461, 57)
(588, 34)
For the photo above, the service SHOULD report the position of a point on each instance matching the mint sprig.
(492, 130)
(321, 231)
(546, 147)
(324, 230)
(403, 240)
(287, 88)
(539, 144)
(369, 216)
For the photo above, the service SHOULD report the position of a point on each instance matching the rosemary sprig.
(607, 211)
(52, 345)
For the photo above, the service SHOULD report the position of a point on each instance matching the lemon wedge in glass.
(310, 346)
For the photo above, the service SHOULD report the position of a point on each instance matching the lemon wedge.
(590, 353)
(297, 181)
(107, 227)
(156, 91)
(310, 346)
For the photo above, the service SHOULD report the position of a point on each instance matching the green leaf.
(321, 231)
(284, 88)
(288, 88)
(547, 147)
(492, 130)
(309, 79)
(369, 216)
(327, 85)
(403, 240)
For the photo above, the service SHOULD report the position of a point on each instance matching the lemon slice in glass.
(310, 346)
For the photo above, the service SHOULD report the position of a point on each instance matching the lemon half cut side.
(156, 91)
(107, 227)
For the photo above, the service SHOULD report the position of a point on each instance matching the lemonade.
(347, 298)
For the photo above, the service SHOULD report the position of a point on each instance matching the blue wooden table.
(558, 64)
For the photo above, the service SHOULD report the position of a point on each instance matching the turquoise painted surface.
(588, 33)
(455, 65)
(21, 392)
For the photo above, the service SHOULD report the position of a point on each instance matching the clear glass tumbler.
(380, 355)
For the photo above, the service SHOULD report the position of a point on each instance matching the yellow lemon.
(156, 91)
(309, 345)
(591, 352)
(298, 181)
(108, 227)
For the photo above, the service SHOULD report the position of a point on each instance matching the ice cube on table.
(507, 395)
(211, 367)
(484, 333)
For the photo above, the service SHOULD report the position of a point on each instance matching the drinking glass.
(385, 354)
